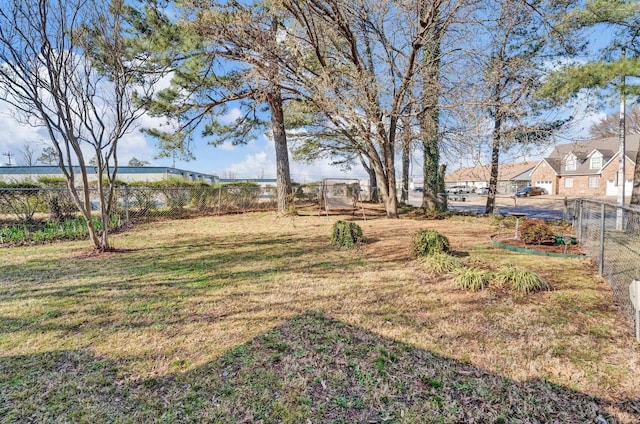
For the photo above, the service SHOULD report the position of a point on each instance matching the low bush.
(473, 279)
(440, 263)
(520, 280)
(429, 242)
(535, 231)
(346, 234)
(74, 228)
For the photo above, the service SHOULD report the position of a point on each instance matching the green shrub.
(346, 234)
(520, 280)
(440, 263)
(57, 182)
(73, 228)
(429, 242)
(473, 279)
(535, 231)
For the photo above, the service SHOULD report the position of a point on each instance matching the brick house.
(586, 169)
(511, 176)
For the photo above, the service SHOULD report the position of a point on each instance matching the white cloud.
(226, 146)
(135, 145)
(252, 166)
(231, 116)
(263, 163)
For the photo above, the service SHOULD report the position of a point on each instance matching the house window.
(593, 182)
(596, 162)
(570, 163)
(568, 182)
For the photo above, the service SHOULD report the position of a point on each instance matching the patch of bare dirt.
(98, 255)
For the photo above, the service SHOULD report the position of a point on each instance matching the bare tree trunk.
(406, 161)
(85, 210)
(283, 176)
(442, 195)
(390, 195)
(374, 194)
(495, 160)
(635, 193)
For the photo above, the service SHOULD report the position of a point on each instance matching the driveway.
(541, 207)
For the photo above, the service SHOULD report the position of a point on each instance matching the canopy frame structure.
(341, 194)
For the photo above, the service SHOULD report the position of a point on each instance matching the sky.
(256, 159)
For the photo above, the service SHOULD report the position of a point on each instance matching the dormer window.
(570, 163)
(596, 162)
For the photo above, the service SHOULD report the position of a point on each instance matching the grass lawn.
(253, 318)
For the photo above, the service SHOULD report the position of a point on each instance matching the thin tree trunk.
(495, 160)
(389, 178)
(406, 162)
(374, 195)
(635, 193)
(442, 192)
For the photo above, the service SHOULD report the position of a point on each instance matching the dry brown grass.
(185, 300)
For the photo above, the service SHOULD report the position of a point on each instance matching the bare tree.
(359, 67)
(28, 153)
(609, 126)
(512, 52)
(67, 67)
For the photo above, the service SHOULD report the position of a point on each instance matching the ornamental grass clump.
(440, 263)
(473, 279)
(429, 242)
(520, 280)
(346, 234)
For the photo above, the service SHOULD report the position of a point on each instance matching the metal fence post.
(126, 205)
(580, 210)
(602, 227)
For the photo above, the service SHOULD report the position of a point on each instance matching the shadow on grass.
(312, 368)
(212, 261)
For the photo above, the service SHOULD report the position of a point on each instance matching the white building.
(12, 174)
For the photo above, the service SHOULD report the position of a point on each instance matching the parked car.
(458, 189)
(530, 191)
(483, 190)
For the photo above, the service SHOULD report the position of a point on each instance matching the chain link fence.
(137, 204)
(610, 235)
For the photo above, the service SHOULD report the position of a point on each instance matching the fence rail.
(139, 204)
(610, 235)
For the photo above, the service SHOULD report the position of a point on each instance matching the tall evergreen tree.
(227, 55)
